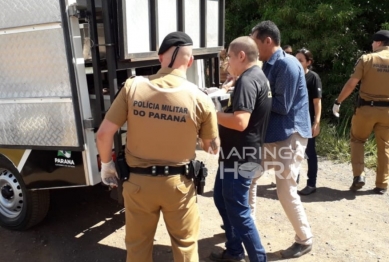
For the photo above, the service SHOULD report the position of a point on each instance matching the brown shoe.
(296, 250)
(358, 183)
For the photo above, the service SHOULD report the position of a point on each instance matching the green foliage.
(336, 146)
(336, 32)
(327, 27)
(240, 15)
(330, 145)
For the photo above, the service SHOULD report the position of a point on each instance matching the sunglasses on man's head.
(289, 53)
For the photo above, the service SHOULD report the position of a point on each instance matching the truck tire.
(20, 208)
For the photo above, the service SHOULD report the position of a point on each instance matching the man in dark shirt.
(314, 91)
(289, 129)
(242, 128)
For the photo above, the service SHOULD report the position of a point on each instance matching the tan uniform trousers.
(365, 120)
(285, 158)
(144, 198)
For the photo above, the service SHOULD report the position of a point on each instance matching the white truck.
(61, 64)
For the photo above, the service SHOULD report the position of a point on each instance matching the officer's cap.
(382, 35)
(174, 39)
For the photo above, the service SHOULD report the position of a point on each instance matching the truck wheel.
(20, 208)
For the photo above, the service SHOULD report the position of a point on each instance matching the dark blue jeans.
(231, 199)
(310, 151)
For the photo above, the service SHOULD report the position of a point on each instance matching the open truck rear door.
(40, 108)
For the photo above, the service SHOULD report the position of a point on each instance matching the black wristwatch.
(336, 102)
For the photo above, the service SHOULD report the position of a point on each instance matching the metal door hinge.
(72, 10)
(76, 11)
(88, 123)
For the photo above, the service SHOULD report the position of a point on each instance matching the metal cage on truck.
(61, 65)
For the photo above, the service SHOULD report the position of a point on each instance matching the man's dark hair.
(385, 43)
(267, 29)
(286, 47)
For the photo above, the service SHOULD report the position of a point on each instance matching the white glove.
(335, 110)
(108, 174)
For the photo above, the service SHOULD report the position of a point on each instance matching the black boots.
(358, 183)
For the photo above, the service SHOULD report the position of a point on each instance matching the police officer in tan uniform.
(164, 113)
(372, 113)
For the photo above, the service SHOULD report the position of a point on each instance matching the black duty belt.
(161, 170)
(373, 103)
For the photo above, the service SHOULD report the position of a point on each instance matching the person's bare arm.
(316, 121)
(228, 84)
(347, 89)
(211, 146)
(104, 139)
(239, 120)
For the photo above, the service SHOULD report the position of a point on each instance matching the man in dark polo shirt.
(242, 127)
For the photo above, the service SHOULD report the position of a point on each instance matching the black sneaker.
(380, 191)
(296, 250)
(307, 191)
(225, 257)
(358, 183)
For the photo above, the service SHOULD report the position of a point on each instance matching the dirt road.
(85, 225)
